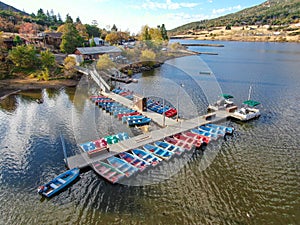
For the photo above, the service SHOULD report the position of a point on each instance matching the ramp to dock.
(83, 160)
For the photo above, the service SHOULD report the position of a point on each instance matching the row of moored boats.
(126, 164)
(128, 115)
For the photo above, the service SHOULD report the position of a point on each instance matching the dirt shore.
(250, 34)
(10, 86)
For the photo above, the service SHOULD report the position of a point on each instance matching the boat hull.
(58, 183)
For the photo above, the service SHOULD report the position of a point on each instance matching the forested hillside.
(272, 12)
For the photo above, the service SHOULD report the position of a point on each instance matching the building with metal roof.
(94, 52)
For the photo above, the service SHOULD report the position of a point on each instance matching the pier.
(83, 160)
(168, 126)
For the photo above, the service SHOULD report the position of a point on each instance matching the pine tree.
(163, 32)
(92, 43)
(70, 39)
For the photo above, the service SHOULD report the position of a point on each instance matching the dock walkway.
(155, 117)
(83, 160)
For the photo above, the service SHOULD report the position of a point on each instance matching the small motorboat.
(248, 111)
(222, 104)
(159, 152)
(58, 183)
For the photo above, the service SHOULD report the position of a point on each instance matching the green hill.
(272, 12)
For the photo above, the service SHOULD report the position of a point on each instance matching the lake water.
(253, 177)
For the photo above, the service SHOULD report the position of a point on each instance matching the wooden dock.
(155, 117)
(83, 160)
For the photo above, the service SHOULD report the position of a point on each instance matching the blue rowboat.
(104, 105)
(162, 110)
(113, 108)
(126, 110)
(164, 154)
(122, 165)
(126, 118)
(134, 160)
(118, 108)
(116, 90)
(94, 98)
(122, 136)
(130, 97)
(93, 145)
(205, 133)
(139, 122)
(107, 171)
(111, 105)
(146, 156)
(58, 183)
(212, 130)
(227, 130)
(155, 107)
(169, 147)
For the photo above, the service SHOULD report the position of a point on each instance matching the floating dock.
(84, 160)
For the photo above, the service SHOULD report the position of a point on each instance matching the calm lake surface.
(253, 179)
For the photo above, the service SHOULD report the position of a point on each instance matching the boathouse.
(90, 53)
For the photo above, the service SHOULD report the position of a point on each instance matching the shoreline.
(253, 33)
(13, 86)
(238, 39)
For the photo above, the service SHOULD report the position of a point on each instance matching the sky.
(131, 15)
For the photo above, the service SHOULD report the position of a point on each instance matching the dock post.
(64, 149)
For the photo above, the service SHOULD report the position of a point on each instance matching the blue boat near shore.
(58, 183)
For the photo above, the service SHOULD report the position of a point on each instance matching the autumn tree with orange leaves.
(28, 28)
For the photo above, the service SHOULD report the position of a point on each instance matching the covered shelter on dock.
(91, 53)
